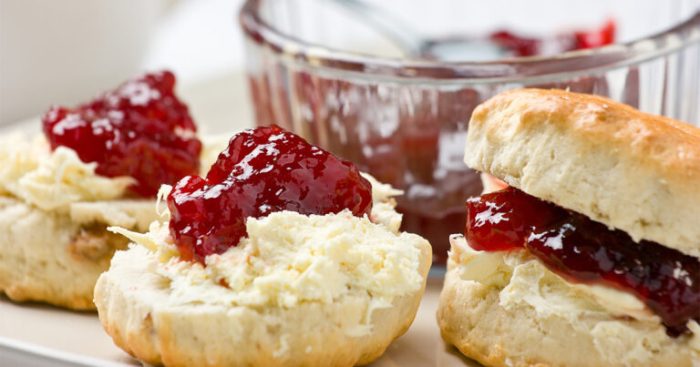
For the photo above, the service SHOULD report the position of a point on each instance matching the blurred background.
(389, 85)
(67, 51)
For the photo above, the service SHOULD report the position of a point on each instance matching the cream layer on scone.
(290, 258)
(523, 281)
(52, 180)
(508, 309)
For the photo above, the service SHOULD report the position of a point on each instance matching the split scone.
(589, 255)
(283, 255)
(97, 165)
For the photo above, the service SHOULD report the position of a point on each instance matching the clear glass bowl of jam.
(391, 85)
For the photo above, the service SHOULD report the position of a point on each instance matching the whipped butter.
(289, 258)
(52, 180)
(523, 278)
(58, 181)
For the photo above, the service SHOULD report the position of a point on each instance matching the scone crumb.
(283, 348)
(95, 243)
(695, 339)
(52, 180)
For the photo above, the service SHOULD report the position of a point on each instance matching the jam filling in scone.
(586, 251)
(282, 255)
(97, 165)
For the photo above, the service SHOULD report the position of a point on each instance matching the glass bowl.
(353, 77)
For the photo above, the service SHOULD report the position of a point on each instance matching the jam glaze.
(582, 250)
(140, 129)
(263, 170)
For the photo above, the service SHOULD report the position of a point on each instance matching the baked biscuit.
(630, 170)
(96, 165)
(563, 296)
(509, 310)
(54, 211)
(302, 286)
(179, 313)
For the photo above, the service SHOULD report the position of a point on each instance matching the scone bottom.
(140, 129)
(585, 251)
(268, 282)
(263, 170)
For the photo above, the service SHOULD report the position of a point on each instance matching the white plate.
(39, 335)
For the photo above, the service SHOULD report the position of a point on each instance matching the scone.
(589, 256)
(97, 165)
(284, 255)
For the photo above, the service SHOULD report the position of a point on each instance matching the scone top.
(139, 130)
(629, 170)
(262, 170)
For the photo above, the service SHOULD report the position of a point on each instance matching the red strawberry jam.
(263, 170)
(141, 130)
(583, 250)
(519, 45)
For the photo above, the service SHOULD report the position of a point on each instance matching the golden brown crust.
(630, 170)
(132, 302)
(45, 257)
(671, 146)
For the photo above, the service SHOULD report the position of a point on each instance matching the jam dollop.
(140, 129)
(583, 250)
(263, 170)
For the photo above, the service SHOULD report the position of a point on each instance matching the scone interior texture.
(298, 291)
(54, 211)
(630, 171)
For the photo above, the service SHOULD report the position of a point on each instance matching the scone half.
(97, 164)
(629, 175)
(301, 290)
(510, 310)
(54, 211)
(54, 214)
(282, 255)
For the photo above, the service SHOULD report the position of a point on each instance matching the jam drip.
(582, 250)
(262, 170)
(140, 129)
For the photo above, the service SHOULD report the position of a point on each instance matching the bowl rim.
(518, 69)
